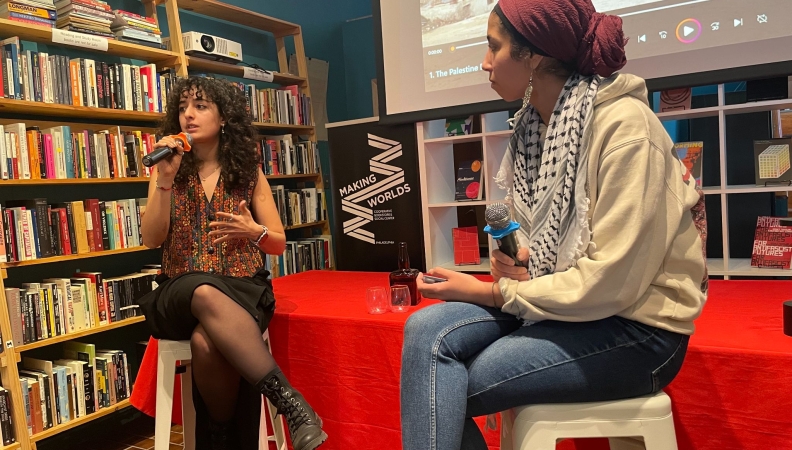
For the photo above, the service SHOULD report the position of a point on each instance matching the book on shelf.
(56, 392)
(302, 255)
(131, 27)
(281, 156)
(772, 162)
(692, 156)
(299, 206)
(772, 247)
(34, 229)
(41, 77)
(62, 306)
(469, 185)
(284, 105)
(59, 153)
(34, 12)
(7, 430)
(466, 246)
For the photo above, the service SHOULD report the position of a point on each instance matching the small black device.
(428, 279)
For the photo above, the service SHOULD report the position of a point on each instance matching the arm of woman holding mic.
(156, 221)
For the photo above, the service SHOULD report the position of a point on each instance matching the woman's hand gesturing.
(235, 226)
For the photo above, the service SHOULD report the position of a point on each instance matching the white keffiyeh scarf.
(547, 182)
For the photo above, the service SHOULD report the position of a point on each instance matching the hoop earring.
(528, 92)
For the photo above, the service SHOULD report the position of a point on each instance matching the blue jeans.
(461, 361)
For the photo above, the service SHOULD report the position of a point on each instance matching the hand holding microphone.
(510, 260)
(168, 146)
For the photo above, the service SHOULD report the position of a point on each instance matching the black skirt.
(167, 308)
(168, 314)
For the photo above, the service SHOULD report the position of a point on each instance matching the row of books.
(93, 17)
(84, 381)
(42, 77)
(302, 255)
(281, 156)
(86, 300)
(299, 206)
(285, 105)
(33, 229)
(62, 153)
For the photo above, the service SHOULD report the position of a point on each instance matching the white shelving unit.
(438, 181)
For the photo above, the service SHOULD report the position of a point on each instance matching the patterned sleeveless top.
(188, 246)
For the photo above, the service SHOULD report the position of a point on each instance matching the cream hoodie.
(647, 260)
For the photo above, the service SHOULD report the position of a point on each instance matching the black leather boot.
(222, 436)
(305, 427)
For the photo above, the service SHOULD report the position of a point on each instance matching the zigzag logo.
(394, 176)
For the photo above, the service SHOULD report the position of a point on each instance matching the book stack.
(83, 382)
(33, 229)
(137, 29)
(85, 16)
(62, 306)
(42, 77)
(34, 153)
(33, 12)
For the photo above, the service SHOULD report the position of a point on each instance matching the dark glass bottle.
(405, 276)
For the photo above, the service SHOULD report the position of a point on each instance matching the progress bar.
(661, 8)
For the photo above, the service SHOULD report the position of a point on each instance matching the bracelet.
(264, 232)
(492, 291)
(162, 188)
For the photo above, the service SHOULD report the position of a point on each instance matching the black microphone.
(502, 228)
(165, 152)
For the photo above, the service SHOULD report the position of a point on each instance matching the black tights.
(225, 345)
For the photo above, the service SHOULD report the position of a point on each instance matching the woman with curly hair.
(212, 211)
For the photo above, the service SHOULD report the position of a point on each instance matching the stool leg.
(165, 380)
(660, 435)
(188, 409)
(626, 443)
(506, 434)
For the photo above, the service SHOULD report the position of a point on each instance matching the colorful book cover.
(468, 182)
(466, 246)
(772, 243)
(691, 154)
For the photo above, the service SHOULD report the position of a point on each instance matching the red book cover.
(101, 295)
(772, 243)
(65, 237)
(466, 246)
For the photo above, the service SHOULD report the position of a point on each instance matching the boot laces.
(290, 407)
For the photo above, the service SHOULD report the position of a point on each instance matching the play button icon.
(688, 31)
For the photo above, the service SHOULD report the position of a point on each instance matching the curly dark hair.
(237, 154)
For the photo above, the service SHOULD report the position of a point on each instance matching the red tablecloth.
(734, 391)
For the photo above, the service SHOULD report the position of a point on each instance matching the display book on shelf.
(55, 100)
(437, 171)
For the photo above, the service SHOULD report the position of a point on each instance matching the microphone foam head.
(189, 138)
(497, 215)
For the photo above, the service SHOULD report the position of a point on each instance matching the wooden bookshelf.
(284, 128)
(304, 176)
(8, 107)
(307, 225)
(57, 259)
(235, 14)
(221, 68)
(81, 420)
(79, 334)
(14, 446)
(42, 34)
(45, 182)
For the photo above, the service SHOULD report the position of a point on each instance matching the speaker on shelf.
(767, 89)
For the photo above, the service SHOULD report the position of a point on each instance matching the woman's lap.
(547, 362)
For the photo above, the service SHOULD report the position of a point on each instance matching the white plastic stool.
(624, 422)
(169, 353)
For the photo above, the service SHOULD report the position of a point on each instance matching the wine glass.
(400, 298)
(377, 300)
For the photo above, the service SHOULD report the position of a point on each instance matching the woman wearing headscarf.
(612, 270)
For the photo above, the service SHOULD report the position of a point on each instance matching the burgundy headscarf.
(571, 31)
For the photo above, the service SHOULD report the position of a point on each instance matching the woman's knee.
(201, 345)
(428, 324)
